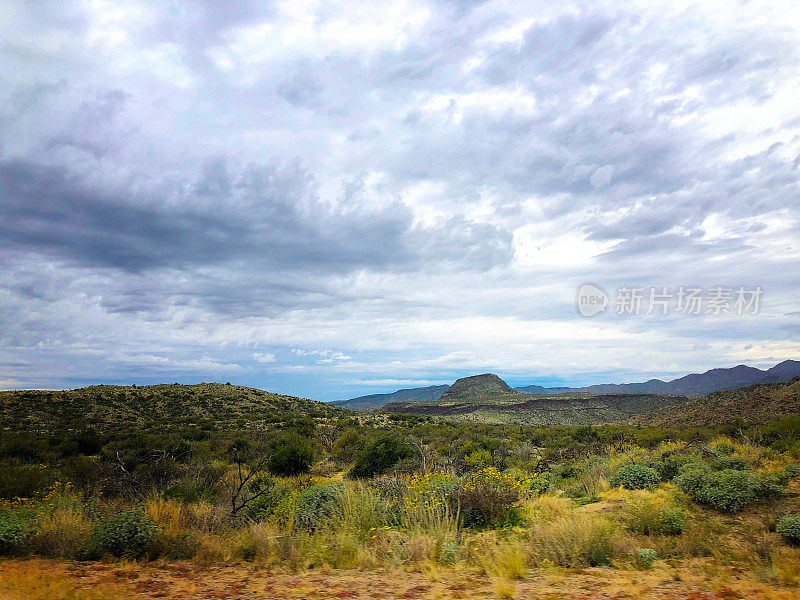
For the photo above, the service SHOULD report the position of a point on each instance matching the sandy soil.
(39, 579)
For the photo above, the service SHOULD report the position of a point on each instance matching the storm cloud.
(310, 196)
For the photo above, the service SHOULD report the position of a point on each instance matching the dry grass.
(41, 580)
(63, 532)
(693, 579)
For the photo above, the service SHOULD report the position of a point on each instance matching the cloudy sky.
(332, 199)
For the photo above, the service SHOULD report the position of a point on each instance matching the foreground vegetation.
(295, 493)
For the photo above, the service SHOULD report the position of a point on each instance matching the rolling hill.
(753, 404)
(105, 407)
(376, 401)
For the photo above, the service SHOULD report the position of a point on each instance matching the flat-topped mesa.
(477, 386)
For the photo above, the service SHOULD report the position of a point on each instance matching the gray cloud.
(418, 187)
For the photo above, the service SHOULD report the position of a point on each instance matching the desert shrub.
(669, 466)
(429, 502)
(563, 471)
(691, 477)
(485, 497)
(572, 539)
(673, 520)
(380, 455)
(84, 442)
(789, 528)
(315, 505)
(290, 455)
(348, 445)
(588, 478)
(123, 534)
(650, 514)
(724, 447)
(65, 533)
(634, 476)
(600, 553)
(770, 485)
(645, 557)
(735, 463)
(190, 491)
(12, 531)
(728, 490)
(392, 493)
(265, 506)
(361, 509)
(19, 479)
(478, 459)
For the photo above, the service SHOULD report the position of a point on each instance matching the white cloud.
(263, 357)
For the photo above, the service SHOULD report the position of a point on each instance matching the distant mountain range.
(696, 384)
(693, 385)
(488, 399)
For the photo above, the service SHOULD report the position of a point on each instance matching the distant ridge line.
(692, 385)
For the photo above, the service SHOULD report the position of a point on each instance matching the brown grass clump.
(62, 533)
(42, 580)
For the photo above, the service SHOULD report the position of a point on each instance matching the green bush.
(673, 520)
(600, 554)
(669, 466)
(124, 534)
(792, 470)
(635, 477)
(12, 531)
(645, 557)
(789, 528)
(728, 490)
(380, 455)
(734, 463)
(315, 505)
(770, 485)
(291, 455)
(692, 477)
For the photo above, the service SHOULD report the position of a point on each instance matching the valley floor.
(699, 579)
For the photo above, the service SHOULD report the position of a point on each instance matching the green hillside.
(754, 404)
(106, 407)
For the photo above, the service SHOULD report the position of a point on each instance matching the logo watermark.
(591, 300)
(684, 300)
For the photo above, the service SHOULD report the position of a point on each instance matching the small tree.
(380, 455)
(248, 483)
(291, 455)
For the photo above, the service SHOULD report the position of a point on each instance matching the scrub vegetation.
(328, 492)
